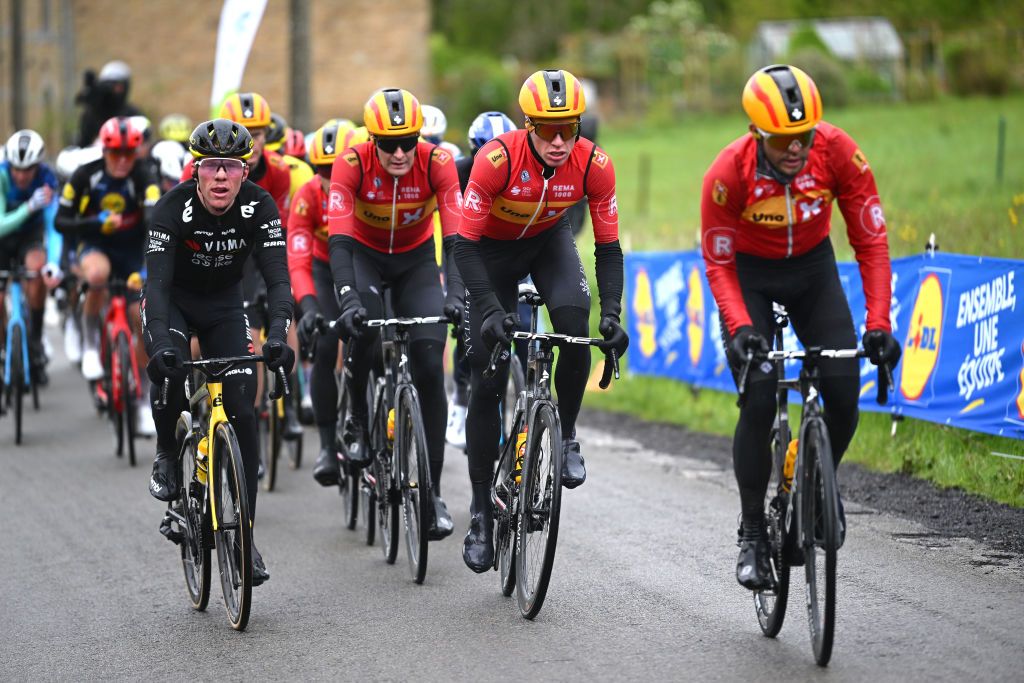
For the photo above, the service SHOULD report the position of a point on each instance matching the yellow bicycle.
(212, 508)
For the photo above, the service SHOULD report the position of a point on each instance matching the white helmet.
(143, 125)
(70, 158)
(172, 158)
(24, 149)
(434, 124)
(115, 71)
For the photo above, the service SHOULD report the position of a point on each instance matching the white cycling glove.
(38, 199)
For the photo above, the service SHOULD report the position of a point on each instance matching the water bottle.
(201, 459)
(391, 425)
(520, 453)
(789, 465)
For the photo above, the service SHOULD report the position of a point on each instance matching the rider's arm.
(720, 210)
(161, 245)
(74, 200)
(272, 260)
(300, 244)
(445, 181)
(604, 215)
(149, 186)
(865, 226)
(10, 220)
(345, 179)
(486, 181)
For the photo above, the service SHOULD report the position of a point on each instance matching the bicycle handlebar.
(885, 383)
(218, 367)
(502, 352)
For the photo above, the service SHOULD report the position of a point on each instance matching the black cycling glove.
(166, 363)
(496, 327)
(278, 355)
(309, 321)
(353, 315)
(615, 338)
(881, 347)
(747, 339)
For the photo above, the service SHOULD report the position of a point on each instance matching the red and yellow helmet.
(552, 94)
(328, 141)
(782, 99)
(247, 108)
(353, 136)
(393, 112)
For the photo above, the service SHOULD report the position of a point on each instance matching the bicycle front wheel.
(540, 501)
(506, 489)
(127, 389)
(770, 604)
(16, 382)
(233, 526)
(820, 535)
(413, 481)
(195, 551)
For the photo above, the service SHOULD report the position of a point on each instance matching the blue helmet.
(486, 127)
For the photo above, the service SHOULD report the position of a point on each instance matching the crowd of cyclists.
(343, 222)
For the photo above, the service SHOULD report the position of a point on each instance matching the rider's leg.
(323, 387)
(35, 294)
(96, 272)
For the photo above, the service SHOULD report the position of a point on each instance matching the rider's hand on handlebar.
(615, 338)
(454, 309)
(748, 340)
(350, 323)
(308, 324)
(278, 355)
(881, 347)
(496, 327)
(166, 363)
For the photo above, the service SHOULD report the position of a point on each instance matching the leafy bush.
(467, 83)
(977, 69)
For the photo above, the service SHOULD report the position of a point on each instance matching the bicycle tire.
(275, 425)
(515, 385)
(770, 604)
(127, 389)
(368, 501)
(819, 526)
(413, 480)
(349, 479)
(383, 471)
(295, 445)
(16, 383)
(540, 500)
(505, 529)
(233, 533)
(195, 553)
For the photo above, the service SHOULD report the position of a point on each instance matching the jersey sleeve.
(74, 201)
(487, 180)
(161, 246)
(10, 220)
(865, 226)
(341, 200)
(720, 211)
(300, 243)
(445, 181)
(604, 208)
(272, 260)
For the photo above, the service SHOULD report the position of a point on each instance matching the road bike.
(212, 508)
(803, 518)
(120, 389)
(17, 380)
(527, 488)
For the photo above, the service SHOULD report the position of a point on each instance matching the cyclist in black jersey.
(202, 233)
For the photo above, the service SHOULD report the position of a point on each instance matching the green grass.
(935, 165)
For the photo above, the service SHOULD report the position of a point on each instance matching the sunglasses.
(211, 166)
(324, 170)
(782, 142)
(549, 131)
(391, 145)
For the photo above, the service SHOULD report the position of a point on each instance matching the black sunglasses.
(391, 145)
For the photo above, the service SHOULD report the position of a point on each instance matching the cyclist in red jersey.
(514, 224)
(766, 210)
(380, 209)
(313, 287)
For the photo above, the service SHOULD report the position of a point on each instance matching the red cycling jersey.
(307, 236)
(743, 211)
(508, 198)
(393, 214)
(277, 180)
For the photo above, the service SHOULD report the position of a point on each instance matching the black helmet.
(220, 138)
(275, 132)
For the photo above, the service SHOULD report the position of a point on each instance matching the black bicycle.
(803, 496)
(527, 487)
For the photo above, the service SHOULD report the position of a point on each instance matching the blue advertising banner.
(955, 316)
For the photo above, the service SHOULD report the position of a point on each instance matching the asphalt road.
(643, 585)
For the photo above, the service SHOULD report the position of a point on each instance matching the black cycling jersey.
(191, 249)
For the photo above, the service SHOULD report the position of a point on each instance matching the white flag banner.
(239, 21)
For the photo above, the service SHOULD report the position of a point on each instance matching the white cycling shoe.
(92, 366)
(144, 425)
(455, 434)
(72, 341)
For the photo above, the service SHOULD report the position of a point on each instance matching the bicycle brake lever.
(741, 383)
(885, 384)
(611, 367)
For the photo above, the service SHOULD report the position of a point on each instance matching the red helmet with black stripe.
(118, 133)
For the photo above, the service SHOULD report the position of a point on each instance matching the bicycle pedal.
(166, 528)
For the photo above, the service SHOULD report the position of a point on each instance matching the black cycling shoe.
(358, 448)
(292, 427)
(326, 471)
(442, 525)
(753, 569)
(163, 484)
(260, 574)
(573, 471)
(478, 547)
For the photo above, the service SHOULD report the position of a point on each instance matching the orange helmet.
(782, 99)
(328, 141)
(247, 108)
(393, 112)
(552, 94)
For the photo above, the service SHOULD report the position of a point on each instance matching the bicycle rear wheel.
(16, 382)
(233, 532)
(540, 501)
(127, 388)
(820, 530)
(507, 491)
(413, 480)
(195, 551)
(770, 604)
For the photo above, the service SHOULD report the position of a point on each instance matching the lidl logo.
(112, 202)
(695, 316)
(921, 347)
(643, 312)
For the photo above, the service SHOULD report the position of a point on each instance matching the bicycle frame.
(10, 281)
(212, 393)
